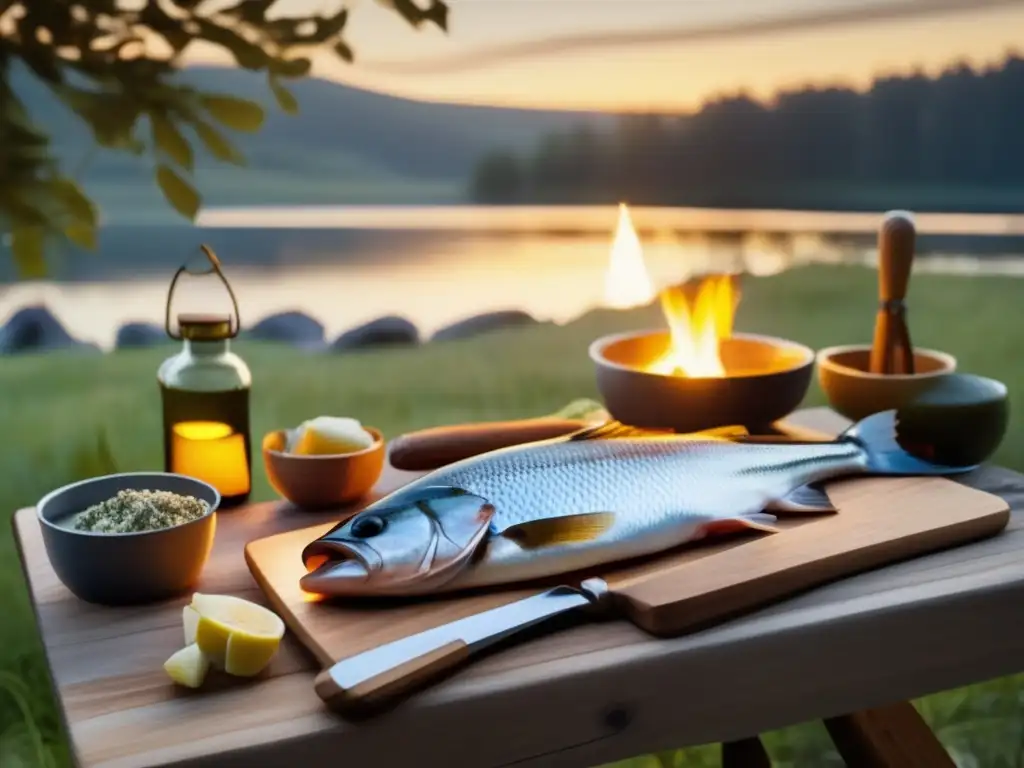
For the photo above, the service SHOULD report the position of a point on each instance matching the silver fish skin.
(658, 491)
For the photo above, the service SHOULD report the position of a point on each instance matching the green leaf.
(75, 201)
(248, 55)
(290, 67)
(436, 12)
(217, 145)
(29, 254)
(251, 11)
(179, 193)
(169, 140)
(82, 235)
(284, 97)
(240, 114)
(342, 49)
(111, 117)
(330, 26)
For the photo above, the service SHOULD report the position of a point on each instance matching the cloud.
(825, 16)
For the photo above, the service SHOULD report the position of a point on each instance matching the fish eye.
(367, 526)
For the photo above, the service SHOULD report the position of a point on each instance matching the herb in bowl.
(132, 511)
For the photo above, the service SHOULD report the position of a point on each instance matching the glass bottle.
(204, 391)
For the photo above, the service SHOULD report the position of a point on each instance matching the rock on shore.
(484, 323)
(140, 335)
(292, 327)
(36, 329)
(390, 330)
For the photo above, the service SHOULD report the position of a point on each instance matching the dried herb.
(136, 511)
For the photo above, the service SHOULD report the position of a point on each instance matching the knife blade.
(385, 673)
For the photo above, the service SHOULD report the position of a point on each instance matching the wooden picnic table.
(851, 653)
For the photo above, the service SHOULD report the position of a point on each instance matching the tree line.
(950, 142)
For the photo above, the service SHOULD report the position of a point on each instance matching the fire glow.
(699, 313)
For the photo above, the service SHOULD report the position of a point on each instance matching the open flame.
(699, 312)
(626, 283)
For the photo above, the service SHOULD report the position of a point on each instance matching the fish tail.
(878, 436)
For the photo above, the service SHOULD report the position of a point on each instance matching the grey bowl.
(767, 379)
(127, 568)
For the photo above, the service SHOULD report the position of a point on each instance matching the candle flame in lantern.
(626, 282)
(699, 315)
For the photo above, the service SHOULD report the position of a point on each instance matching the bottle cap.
(205, 327)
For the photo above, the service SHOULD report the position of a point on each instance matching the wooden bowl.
(853, 391)
(322, 482)
(767, 378)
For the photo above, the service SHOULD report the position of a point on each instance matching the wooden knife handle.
(438, 446)
(393, 683)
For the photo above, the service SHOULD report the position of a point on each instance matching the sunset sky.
(660, 54)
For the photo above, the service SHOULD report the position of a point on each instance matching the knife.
(385, 673)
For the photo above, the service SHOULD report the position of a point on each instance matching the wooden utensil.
(436, 447)
(891, 351)
(880, 521)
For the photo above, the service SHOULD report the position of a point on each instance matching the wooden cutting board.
(879, 521)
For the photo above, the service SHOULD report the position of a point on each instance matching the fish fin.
(725, 432)
(612, 429)
(753, 522)
(806, 498)
(877, 435)
(567, 529)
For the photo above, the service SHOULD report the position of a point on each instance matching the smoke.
(822, 17)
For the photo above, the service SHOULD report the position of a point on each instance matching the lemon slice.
(188, 666)
(190, 621)
(238, 636)
(328, 435)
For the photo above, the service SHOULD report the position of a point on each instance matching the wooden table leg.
(894, 736)
(745, 753)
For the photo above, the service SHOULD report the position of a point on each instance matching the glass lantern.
(204, 390)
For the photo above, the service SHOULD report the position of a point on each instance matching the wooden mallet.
(891, 351)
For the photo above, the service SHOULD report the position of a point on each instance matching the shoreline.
(42, 317)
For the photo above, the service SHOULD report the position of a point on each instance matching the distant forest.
(954, 143)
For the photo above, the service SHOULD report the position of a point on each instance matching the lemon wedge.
(238, 636)
(327, 435)
(190, 621)
(188, 666)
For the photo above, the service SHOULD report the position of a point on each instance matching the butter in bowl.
(325, 462)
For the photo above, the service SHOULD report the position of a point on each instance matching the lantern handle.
(214, 269)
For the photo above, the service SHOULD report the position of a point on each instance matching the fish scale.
(569, 504)
(661, 492)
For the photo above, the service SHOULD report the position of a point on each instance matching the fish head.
(405, 543)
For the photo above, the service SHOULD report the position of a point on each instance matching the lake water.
(437, 265)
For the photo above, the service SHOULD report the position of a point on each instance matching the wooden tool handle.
(895, 255)
(393, 683)
(438, 446)
(891, 349)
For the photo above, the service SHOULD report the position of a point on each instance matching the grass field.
(52, 408)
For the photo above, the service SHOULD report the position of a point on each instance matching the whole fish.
(604, 494)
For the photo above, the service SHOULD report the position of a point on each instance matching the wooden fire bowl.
(766, 379)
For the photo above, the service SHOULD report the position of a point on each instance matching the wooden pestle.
(891, 351)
